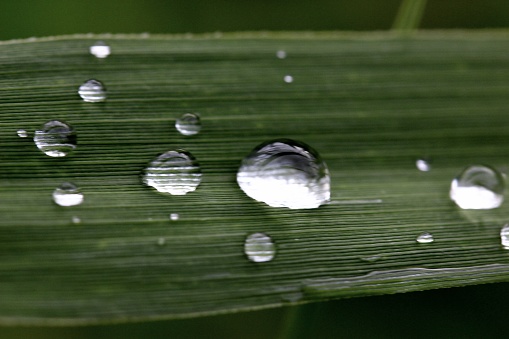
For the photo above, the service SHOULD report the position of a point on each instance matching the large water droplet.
(92, 91)
(478, 187)
(188, 124)
(67, 194)
(423, 165)
(285, 173)
(100, 50)
(22, 133)
(259, 247)
(174, 172)
(55, 138)
(425, 238)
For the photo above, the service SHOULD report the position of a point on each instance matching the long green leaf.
(371, 104)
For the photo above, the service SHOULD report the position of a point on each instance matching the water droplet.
(281, 54)
(504, 236)
(67, 194)
(288, 79)
(92, 91)
(285, 173)
(22, 133)
(100, 50)
(188, 124)
(55, 139)
(161, 241)
(259, 247)
(423, 165)
(478, 187)
(425, 238)
(174, 172)
(174, 216)
(76, 220)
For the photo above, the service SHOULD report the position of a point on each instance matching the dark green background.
(469, 312)
(27, 18)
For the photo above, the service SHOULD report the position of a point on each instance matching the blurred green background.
(469, 312)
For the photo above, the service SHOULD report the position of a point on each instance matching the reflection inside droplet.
(67, 194)
(285, 173)
(259, 247)
(100, 50)
(174, 172)
(56, 138)
(478, 187)
(425, 238)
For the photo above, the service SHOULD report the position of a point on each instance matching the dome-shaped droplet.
(55, 138)
(259, 247)
(188, 124)
(22, 133)
(425, 238)
(478, 187)
(285, 173)
(100, 50)
(174, 172)
(288, 79)
(423, 165)
(504, 236)
(92, 91)
(281, 54)
(67, 194)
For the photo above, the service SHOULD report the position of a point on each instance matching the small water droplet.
(281, 54)
(100, 50)
(92, 91)
(76, 220)
(188, 124)
(288, 79)
(259, 247)
(285, 173)
(55, 138)
(174, 216)
(478, 187)
(161, 241)
(67, 194)
(22, 133)
(425, 238)
(423, 165)
(174, 172)
(504, 236)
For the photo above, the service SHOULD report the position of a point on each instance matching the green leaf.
(370, 103)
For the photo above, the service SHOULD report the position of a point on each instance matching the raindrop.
(100, 50)
(504, 236)
(425, 238)
(76, 220)
(55, 139)
(174, 172)
(174, 216)
(67, 194)
(259, 247)
(188, 124)
(285, 173)
(92, 91)
(288, 79)
(22, 133)
(478, 187)
(281, 54)
(423, 165)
